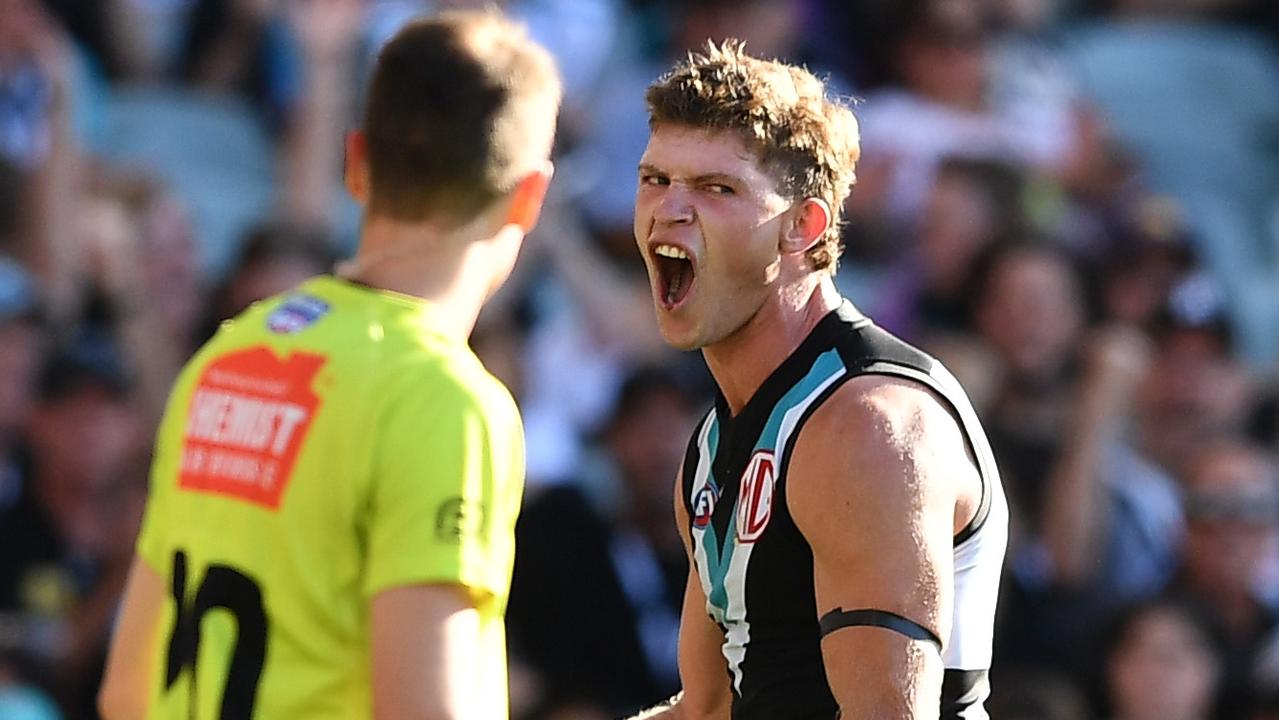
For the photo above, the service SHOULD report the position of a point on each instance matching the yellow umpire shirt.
(324, 446)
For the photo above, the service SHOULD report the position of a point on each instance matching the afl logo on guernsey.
(704, 506)
(296, 314)
(755, 503)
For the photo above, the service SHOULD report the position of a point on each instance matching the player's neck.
(449, 269)
(742, 362)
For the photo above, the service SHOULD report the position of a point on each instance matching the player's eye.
(719, 189)
(654, 179)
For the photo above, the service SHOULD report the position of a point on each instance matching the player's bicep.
(423, 646)
(865, 489)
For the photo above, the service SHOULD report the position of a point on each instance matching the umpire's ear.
(355, 174)
(528, 196)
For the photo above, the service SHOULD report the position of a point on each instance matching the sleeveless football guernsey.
(755, 566)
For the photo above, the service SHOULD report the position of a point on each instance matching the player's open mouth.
(674, 275)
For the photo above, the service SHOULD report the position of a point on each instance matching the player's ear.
(808, 221)
(355, 173)
(527, 197)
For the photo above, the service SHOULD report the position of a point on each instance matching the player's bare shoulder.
(891, 444)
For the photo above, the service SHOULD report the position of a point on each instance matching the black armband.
(840, 618)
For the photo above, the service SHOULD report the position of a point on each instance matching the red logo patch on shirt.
(755, 503)
(249, 415)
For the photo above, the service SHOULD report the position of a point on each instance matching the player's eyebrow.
(712, 177)
(718, 177)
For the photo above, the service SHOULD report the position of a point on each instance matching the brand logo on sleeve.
(457, 518)
(755, 502)
(250, 412)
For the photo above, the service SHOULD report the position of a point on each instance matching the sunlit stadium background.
(1074, 203)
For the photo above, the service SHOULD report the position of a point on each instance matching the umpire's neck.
(457, 268)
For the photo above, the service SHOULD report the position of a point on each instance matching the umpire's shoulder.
(456, 379)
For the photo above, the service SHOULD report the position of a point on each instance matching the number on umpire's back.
(229, 589)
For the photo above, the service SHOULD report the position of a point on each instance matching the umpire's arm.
(423, 641)
(129, 676)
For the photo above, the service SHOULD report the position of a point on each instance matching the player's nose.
(675, 206)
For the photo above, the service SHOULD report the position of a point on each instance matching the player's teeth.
(671, 251)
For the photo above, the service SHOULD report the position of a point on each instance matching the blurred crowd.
(1073, 203)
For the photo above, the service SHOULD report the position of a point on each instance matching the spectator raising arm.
(1076, 508)
(51, 212)
(327, 31)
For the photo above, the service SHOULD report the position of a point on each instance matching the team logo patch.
(296, 314)
(755, 503)
(249, 414)
(704, 506)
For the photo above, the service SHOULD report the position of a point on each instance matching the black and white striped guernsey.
(755, 566)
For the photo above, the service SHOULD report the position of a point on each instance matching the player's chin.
(679, 333)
